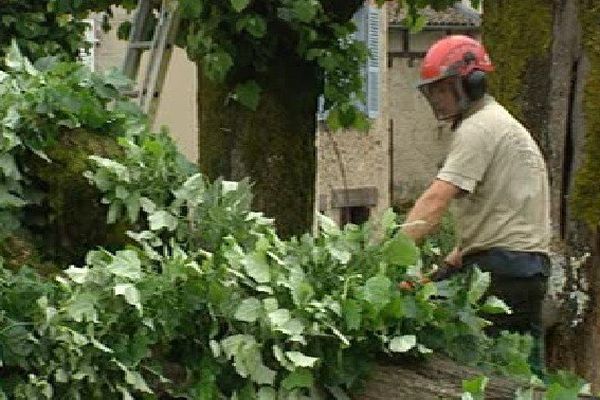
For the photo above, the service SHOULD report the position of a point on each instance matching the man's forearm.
(424, 218)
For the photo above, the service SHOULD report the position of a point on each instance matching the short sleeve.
(469, 157)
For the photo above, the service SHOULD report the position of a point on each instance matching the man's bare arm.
(425, 216)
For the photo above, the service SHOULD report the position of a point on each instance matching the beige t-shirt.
(494, 159)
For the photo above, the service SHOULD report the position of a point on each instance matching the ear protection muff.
(475, 84)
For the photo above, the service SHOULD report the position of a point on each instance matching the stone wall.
(420, 142)
(353, 168)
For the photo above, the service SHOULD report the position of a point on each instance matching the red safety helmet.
(454, 68)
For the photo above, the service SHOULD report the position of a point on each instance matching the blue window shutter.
(360, 19)
(373, 64)
(366, 20)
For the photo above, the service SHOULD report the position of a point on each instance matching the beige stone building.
(359, 175)
(177, 109)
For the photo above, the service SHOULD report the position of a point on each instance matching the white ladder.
(161, 46)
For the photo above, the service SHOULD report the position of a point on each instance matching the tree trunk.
(273, 146)
(438, 378)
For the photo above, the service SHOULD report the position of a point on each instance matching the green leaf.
(247, 358)
(217, 65)
(563, 385)
(162, 219)
(10, 200)
(475, 387)
(333, 120)
(77, 275)
(191, 8)
(262, 374)
(249, 310)
(301, 360)
(254, 25)
(328, 226)
(377, 291)
(299, 378)
(352, 312)
(305, 10)
(270, 304)
(402, 344)
(130, 293)
(494, 305)
(114, 77)
(231, 344)
(478, 284)
(9, 167)
(82, 307)
(300, 288)
(279, 317)
(136, 380)
(248, 94)
(266, 393)
(400, 250)
(339, 252)
(257, 267)
(280, 357)
(239, 5)
(416, 24)
(126, 264)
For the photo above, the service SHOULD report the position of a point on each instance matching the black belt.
(518, 264)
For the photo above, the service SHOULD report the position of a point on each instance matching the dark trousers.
(520, 279)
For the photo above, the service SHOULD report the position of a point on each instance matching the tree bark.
(438, 378)
(273, 146)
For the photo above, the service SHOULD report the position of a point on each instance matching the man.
(496, 178)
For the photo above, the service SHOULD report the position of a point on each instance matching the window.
(367, 20)
(354, 215)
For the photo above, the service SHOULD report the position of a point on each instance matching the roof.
(459, 15)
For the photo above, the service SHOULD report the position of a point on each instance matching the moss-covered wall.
(586, 196)
(68, 219)
(518, 35)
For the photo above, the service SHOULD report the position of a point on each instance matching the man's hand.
(452, 265)
(454, 258)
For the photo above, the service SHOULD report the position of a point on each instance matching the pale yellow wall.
(420, 142)
(177, 109)
(350, 159)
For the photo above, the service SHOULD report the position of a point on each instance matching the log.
(437, 378)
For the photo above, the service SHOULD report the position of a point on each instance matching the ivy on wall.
(586, 196)
(515, 33)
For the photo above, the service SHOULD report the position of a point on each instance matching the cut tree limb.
(435, 379)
